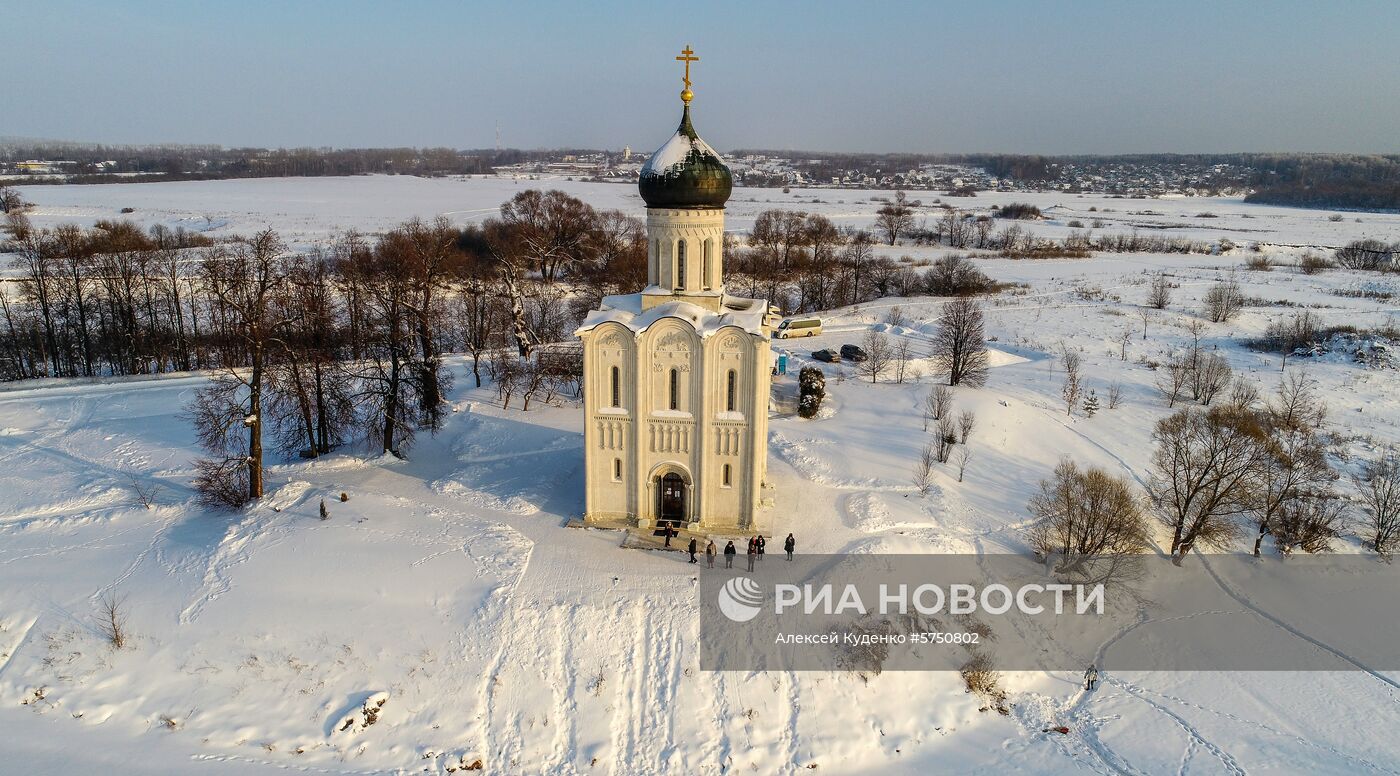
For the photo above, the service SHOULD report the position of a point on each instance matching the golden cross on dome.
(687, 56)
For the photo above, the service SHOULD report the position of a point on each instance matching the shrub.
(811, 383)
(1312, 263)
(1258, 263)
(983, 681)
(1223, 301)
(1089, 521)
(956, 276)
(1367, 254)
(1019, 211)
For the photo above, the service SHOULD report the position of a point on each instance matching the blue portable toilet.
(782, 362)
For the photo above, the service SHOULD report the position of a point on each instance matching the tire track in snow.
(564, 684)
(626, 711)
(720, 748)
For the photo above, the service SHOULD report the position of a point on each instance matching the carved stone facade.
(669, 401)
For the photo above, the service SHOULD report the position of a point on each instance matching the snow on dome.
(674, 152)
(685, 172)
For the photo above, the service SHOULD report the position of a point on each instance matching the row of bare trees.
(114, 300)
(106, 300)
(803, 262)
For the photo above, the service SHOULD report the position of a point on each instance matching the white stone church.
(676, 377)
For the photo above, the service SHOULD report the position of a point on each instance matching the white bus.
(799, 327)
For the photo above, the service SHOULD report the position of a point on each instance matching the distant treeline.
(1349, 181)
(97, 163)
(1330, 180)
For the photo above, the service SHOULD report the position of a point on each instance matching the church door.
(672, 499)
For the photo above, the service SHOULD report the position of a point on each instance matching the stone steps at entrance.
(645, 540)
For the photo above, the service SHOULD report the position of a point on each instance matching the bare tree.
(901, 354)
(1115, 395)
(111, 619)
(962, 457)
(309, 407)
(429, 254)
(895, 218)
(947, 438)
(960, 346)
(1174, 377)
(508, 372)
(1072, 387)
(386, 374)
(1244, 394)
(243, 280)
(1223, 301)
(878, 354)
(1123, 340)
(1209, 378)
(1296, 404)
(937, 404)
(1295, 469)
(1089, 522)
(967, 421)
(145, 491)
(509, 251)
(551, 228)
(1379, 483)
(923, 469)
(1310, 523)
(1159, 295)
(1206, 469)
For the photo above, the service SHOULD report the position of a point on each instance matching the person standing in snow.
(693, 547)
(710, 554)
(729, 553)
(1091, 677)
(753, 552)
(789, 545)
(669, 531)
(760, 542)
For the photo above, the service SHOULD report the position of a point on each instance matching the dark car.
(853, 353)
(828, 355)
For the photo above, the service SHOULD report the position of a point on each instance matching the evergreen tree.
(1091, 404)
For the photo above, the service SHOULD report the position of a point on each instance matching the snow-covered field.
(450, 583)
(305, 209)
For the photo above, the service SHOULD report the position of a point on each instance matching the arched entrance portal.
(672, 499)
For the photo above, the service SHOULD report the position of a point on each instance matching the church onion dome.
(685, 173)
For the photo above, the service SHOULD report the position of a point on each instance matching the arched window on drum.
(680, 264)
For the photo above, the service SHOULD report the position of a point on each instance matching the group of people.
(757, 545)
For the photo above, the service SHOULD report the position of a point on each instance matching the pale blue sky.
(1074, 76)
